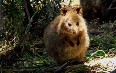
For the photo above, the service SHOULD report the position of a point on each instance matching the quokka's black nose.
(74, 32)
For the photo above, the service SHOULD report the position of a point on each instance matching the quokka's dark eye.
(77, 23)
(69, 24)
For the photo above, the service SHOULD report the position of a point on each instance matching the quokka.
(66, 37)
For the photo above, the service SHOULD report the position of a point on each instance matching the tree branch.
(110, 7)
(28, 16)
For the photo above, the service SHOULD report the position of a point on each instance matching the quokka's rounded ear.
(79, 9)
(63, 11)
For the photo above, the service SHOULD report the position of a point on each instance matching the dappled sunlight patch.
(102, 64)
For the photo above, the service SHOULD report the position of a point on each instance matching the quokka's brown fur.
(66, 38)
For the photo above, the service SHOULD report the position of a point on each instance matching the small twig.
(62, 67)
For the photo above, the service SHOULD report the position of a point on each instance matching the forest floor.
(103, 45)
(101, 55)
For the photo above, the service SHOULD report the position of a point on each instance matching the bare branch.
(28, 15)
(110, 7)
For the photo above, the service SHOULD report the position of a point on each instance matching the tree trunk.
(1, 1)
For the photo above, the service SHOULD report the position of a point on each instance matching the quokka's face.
(71, 21)
(71, 24)
(70, 27)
